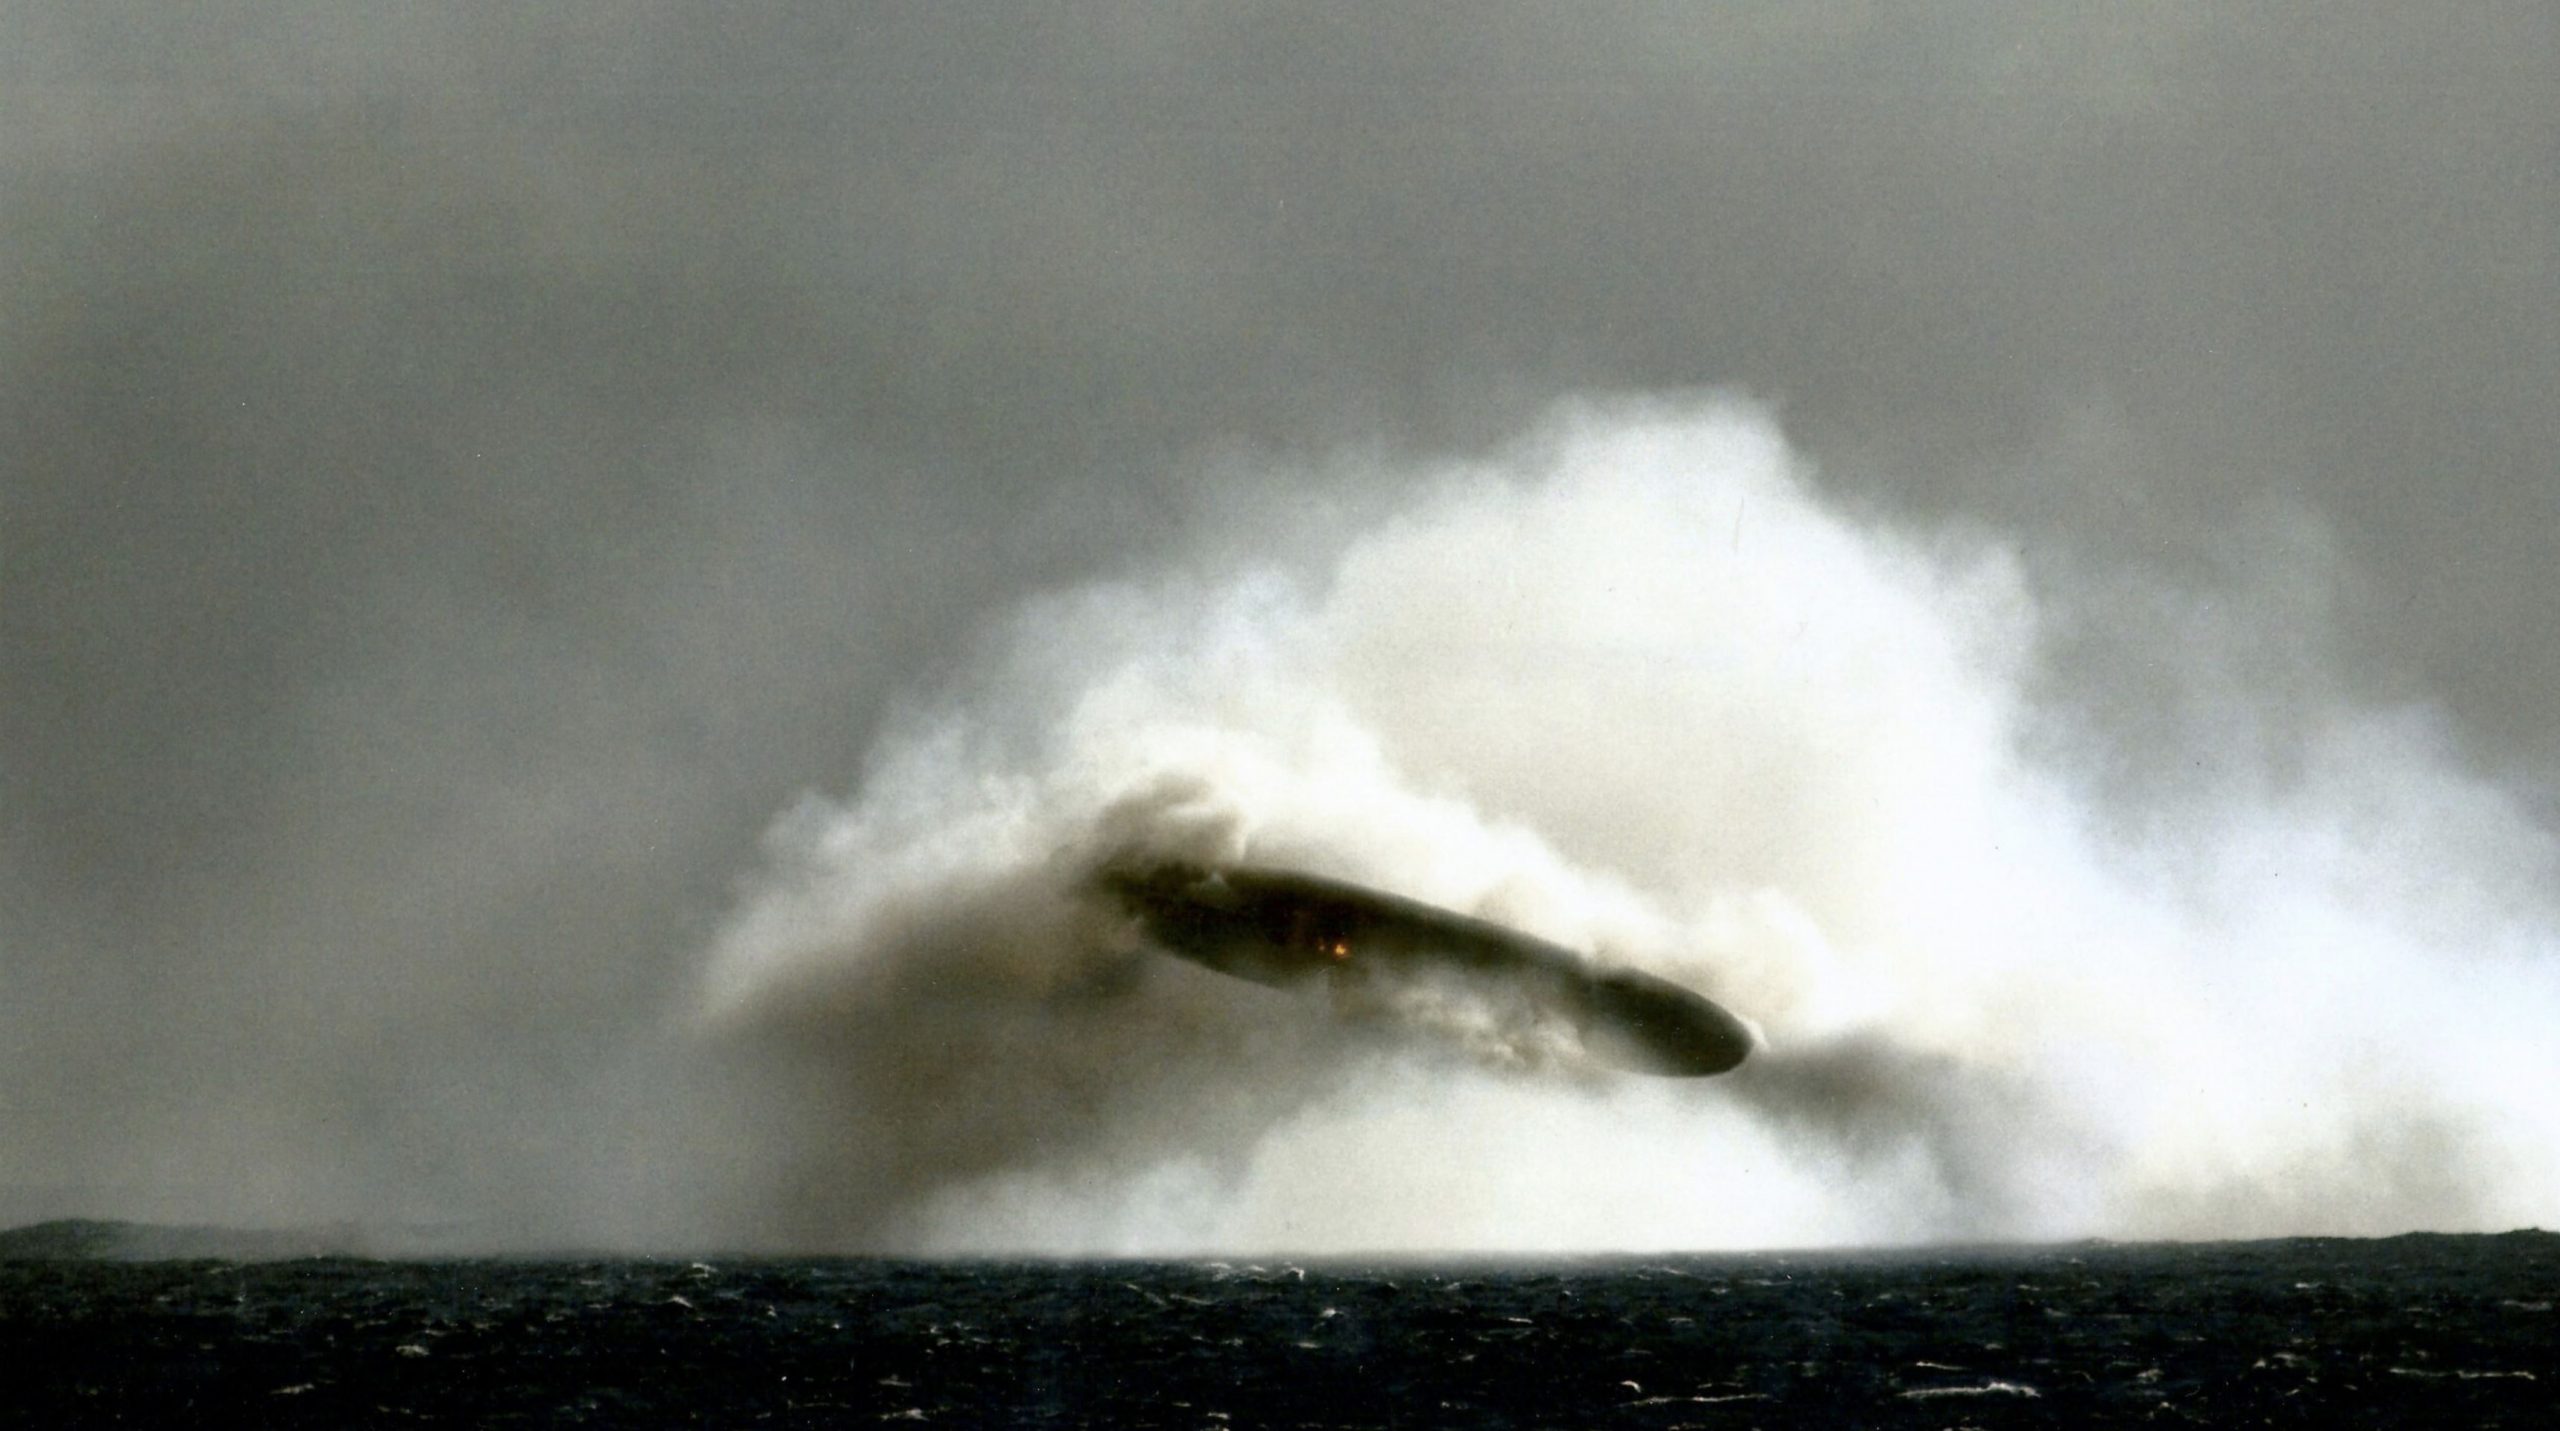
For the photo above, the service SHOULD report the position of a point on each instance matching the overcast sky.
(468, 468)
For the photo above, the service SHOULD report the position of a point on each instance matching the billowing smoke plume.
(1633, 687)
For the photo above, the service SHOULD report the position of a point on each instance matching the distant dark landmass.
(122, 1324)
(108, 1240)
(116, 1240)
(74, 1239)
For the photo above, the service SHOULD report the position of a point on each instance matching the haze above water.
(575, 591)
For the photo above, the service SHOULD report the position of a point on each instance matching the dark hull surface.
(1281, 927)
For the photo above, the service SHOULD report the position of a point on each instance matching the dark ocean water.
(2422, 1330)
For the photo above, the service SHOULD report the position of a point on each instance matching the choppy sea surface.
(2418, 1330)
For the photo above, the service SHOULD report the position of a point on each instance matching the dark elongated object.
(1281, 927)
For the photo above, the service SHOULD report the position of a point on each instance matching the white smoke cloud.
(1635, 687)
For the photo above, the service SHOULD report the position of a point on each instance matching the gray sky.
(467, 469)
